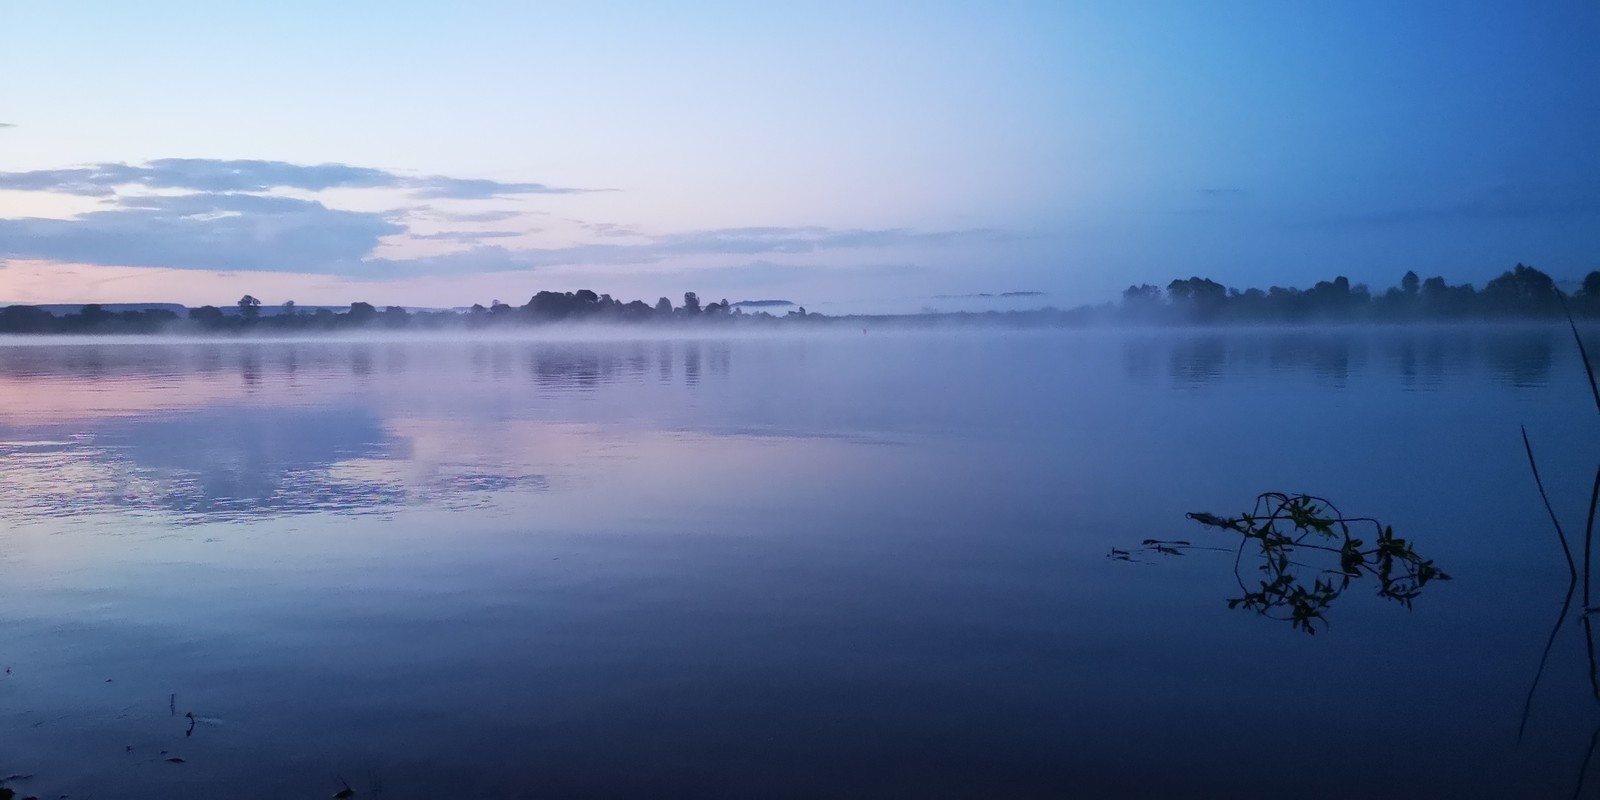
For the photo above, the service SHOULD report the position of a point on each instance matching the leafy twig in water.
(1281, 525)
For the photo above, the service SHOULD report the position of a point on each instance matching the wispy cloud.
(468, 236)
(247, 175)
(766, 241)
(7, 125)
(607, 229)
(226, 215)
(481, 216)
(760, 240)
(252, 232)
(438, 187)
(203, 231)
(185, 205)
(770, 275)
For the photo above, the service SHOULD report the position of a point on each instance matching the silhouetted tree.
(1199, 290)
(361, 313)
(155, 319)
(1199, 299)
(1461, 301)
(1434, 290)
(1591, 285)
(27, 319)
(1522, 290)
(1142, 296)
(1330, 299)
(93, 315)
(1588, 300)
(637, 311)
(1400, 302)
(209, 316)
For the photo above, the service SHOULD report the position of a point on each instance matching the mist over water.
(823, 564)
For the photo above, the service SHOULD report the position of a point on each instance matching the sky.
(875, 153)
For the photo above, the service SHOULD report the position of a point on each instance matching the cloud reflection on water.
(210, 431)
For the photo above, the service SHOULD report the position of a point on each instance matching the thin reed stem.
(1566, 550)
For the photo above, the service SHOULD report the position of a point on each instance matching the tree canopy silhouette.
(1522, 292)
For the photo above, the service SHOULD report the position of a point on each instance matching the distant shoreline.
(860, 324)
(1519, 294)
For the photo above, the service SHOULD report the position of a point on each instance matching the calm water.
(832, 566)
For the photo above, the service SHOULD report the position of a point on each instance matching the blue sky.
(441, 154)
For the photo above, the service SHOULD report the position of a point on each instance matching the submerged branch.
(1297, 591)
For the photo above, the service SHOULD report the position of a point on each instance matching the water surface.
(826, 565)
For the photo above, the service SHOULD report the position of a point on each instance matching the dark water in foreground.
(840, 566)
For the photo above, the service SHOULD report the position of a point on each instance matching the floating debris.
(1282, 528)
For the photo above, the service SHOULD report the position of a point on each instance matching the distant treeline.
(1520, 293)
(248, 314)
